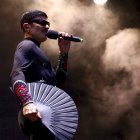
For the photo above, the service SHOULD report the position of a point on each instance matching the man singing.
(31, 64)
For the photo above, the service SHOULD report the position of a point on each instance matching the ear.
(26, 27)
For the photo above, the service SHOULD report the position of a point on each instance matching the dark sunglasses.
(40, 22)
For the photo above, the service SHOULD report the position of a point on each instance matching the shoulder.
(26, 43)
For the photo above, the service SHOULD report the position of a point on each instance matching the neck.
(28, 37)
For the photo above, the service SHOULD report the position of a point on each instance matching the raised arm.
(64, 47)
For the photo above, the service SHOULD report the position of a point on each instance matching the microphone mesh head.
(52, 34)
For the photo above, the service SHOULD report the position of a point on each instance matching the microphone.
(54, 35)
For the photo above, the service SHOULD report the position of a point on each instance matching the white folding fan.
(58, 110)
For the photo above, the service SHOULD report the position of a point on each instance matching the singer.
(32, 64)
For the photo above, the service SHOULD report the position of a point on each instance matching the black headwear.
(28, 16)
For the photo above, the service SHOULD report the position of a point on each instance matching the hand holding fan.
(58, 110)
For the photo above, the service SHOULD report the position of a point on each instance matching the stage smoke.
(103, 71)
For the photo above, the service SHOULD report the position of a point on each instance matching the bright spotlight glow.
(100, 2)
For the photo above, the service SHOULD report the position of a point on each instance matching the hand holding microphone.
(64, 45)
(54, 35)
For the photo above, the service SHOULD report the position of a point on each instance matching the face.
(38, 28)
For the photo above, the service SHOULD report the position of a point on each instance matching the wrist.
(27, 103)
(63, 53)
(63, 58)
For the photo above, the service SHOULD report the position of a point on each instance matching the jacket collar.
(35, 41)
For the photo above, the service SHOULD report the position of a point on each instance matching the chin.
(43, 39)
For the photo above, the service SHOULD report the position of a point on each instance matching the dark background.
(102, 95)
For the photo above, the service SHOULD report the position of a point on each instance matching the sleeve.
(21, 90)
(61, 71)
(19, 87)
(25, 54)
(17, 77)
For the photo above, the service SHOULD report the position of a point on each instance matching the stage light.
(100, 2)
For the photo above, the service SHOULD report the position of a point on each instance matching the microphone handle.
(75, 39)
(54, 35)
